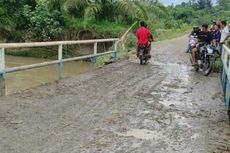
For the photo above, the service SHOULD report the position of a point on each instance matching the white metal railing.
(59, 61)
(225, 59)
(225, 77)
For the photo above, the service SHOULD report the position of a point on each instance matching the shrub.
(44, 23)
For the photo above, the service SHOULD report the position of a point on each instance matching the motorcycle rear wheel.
(141, 59)
(146, 60)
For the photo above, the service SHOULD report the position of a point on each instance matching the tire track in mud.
(124, 107)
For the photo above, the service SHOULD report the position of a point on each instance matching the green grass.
(107, 29)
(163, 34)
(217, 65)
(104, 29)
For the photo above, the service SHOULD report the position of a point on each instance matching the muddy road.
(123, 108)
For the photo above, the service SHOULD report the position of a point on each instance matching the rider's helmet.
(195, 27)
(142, 24)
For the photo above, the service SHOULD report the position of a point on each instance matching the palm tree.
(133, 9)
(91, 7)
(111, 9)
(56, 4)
(139, 10)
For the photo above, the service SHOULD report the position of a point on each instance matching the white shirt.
(224, 34)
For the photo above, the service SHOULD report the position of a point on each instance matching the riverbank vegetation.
(42, 20)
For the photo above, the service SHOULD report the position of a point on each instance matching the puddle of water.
(140, 134)
(159, 93)
(145, 112)
(165, 64)
(195, 136)
(181, 120)
(136, 145)
(150, 101)
(168, 103)
(182, 123)
(176, 116)
(179, 90)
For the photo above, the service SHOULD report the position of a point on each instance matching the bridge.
(124, 107)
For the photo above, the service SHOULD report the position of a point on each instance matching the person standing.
(216, 34)
(224, 32)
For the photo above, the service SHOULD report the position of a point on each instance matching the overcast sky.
(169, 2)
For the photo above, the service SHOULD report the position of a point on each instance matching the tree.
(224, 4)
(133, 9)
(90, 8)
(44, 24)
(192, 2)
(204, 4)
(208, 4)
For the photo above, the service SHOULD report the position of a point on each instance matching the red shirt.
(143, 35)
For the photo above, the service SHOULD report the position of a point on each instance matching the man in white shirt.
(224, 32)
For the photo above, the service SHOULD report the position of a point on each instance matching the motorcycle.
(205, 59)
(143, 55)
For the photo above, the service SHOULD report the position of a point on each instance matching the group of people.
(216, 36)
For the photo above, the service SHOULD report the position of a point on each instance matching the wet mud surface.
(124, 108)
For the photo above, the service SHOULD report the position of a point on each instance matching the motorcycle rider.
(143, 35)
(194, 32)
(215, 32)
(204, 36)
(150, 41)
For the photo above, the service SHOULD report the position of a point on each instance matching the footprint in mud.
(143, 134)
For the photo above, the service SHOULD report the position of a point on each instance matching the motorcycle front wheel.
(207, 65)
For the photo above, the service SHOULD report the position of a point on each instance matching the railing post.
(95, 53)
(60, 64)
(115, 51)
(2, 73)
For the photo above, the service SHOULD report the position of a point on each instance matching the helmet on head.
(142, 24)
(195, 28)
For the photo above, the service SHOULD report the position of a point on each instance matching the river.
(23, 80)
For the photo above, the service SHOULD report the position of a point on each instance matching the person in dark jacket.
(204, 36)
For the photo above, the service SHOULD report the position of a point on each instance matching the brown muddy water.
(19, 81)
